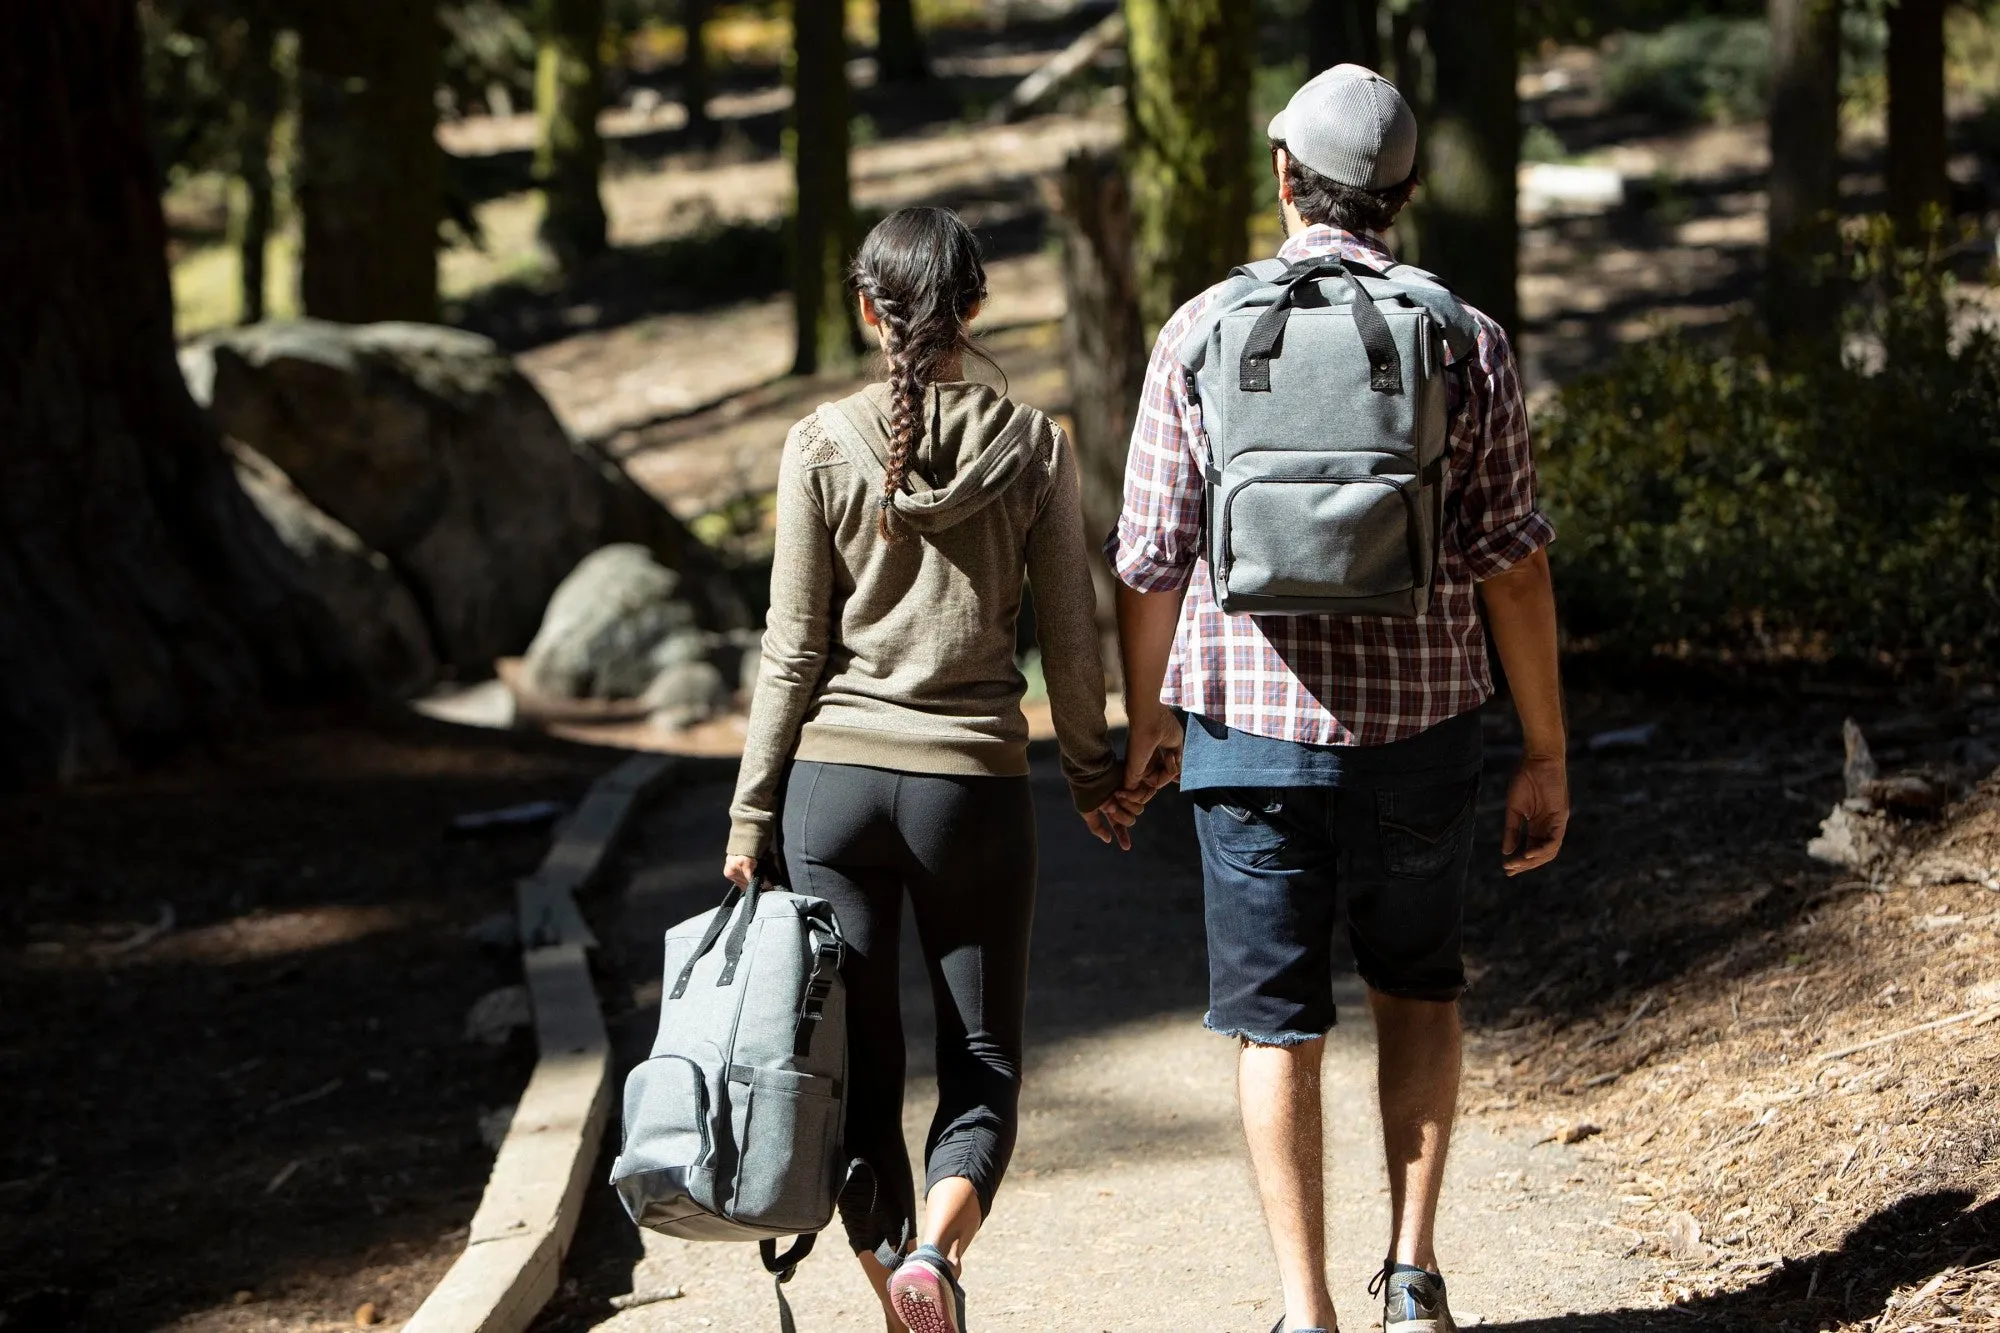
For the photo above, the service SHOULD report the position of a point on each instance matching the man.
(1326, 753)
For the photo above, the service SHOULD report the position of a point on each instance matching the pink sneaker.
(925, 1295)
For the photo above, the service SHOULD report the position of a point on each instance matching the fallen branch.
(1061, 68)
(1974, 1016)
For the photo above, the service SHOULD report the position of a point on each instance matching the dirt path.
(1129, 1204)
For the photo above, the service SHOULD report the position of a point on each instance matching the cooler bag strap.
(826, 965)
(708, 939)
(1385, 364)
(781, 1267)
(733, 954)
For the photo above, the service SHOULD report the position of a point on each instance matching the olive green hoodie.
(900, 654)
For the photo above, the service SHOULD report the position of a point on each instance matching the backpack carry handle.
(733, 954)
(1385, 363)
(716, 924)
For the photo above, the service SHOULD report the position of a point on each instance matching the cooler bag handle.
(733, 954)
(1385, 364)
(708, 939)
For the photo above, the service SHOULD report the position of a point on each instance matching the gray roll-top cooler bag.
(732, 1126)
(1321, 386)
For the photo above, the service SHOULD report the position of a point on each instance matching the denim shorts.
(1276, 863)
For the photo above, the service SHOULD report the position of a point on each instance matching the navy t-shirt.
(1221, 756)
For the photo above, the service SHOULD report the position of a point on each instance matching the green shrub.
(1715, 69)
(1835, 508)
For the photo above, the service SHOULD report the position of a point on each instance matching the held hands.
(1537, 813)
(1152, 760)
(740, 870)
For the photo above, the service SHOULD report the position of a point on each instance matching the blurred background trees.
(569, 154)
(822, 224)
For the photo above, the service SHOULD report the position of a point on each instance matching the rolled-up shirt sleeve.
(1158, 537)
(1498, 521)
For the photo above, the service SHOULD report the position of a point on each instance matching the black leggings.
(964, 850)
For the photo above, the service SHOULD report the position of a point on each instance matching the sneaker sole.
(1420, 1326)
(922, 1300)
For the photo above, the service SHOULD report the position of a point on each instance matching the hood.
(974, 445)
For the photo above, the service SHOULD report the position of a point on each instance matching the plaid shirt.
(1328, 680)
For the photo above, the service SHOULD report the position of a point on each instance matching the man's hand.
(1153, 751)
(740, 870)
(1537, 814)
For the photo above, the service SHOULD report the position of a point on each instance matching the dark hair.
(1329, 203)
(920, 269)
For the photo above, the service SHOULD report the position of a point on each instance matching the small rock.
(366, 1315)
(1684, 1239)
(496, 1014)
(1984, 994)
(1851, 838)
(605, 626)
(1579, 1131)
(686, 695)
(244, 1297)
(493, 1126)
(1859, 769)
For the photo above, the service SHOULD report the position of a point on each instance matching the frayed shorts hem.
(1280, 1038)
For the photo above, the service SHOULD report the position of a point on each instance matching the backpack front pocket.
(788, 1127)
(665, 1170)
(1321, 537)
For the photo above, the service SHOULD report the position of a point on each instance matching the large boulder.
(435, 451)
(612, 627)
(384, 627)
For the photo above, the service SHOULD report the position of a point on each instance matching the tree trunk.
(1188, 146)
(697, 86)
(823, 216)
(1343, 32)
(569, 155)
(257, 114)
(1103, 347)
(1917, 130)
(899, 46)
(1800, 296)
(1466, 214)
(371, 173)
(142, 601)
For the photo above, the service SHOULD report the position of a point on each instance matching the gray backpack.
(1321, 386)
(732, 1127)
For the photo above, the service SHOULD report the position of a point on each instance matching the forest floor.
(233, 1004)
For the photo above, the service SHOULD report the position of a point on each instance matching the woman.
(888, 709)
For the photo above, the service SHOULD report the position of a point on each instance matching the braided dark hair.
(921, 272)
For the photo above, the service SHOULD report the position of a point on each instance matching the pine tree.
(1465, 217)
(899, 45)
(569, 154)
(1801, 298)
(143, 601)
(1188, 146)
(1917, 128)
(371, 174)
(1343, 32)
(823, 239)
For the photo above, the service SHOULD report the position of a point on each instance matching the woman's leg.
(974, 901)
(841, 845)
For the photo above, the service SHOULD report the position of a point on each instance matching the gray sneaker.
(1412, 1300)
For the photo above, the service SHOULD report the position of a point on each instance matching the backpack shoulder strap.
(1461, 330)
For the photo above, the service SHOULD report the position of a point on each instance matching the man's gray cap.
(1352, 126)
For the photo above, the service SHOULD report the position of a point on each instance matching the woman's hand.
(740, 870)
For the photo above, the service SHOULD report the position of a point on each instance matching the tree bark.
(1801, 298)
(371, 173)
(1466, 216)
(142, 601)
(697, 86)
(1343, 32)
(569, 155)
(1188, 146)
(1103, 346)
(823, 215)
(263, 93)
(1917, 129)
(899, 45)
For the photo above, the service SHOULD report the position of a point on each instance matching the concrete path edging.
(528, 1213)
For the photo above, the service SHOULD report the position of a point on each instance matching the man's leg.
(1279, 1087)
(1269, 892)
(1417, 1067)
